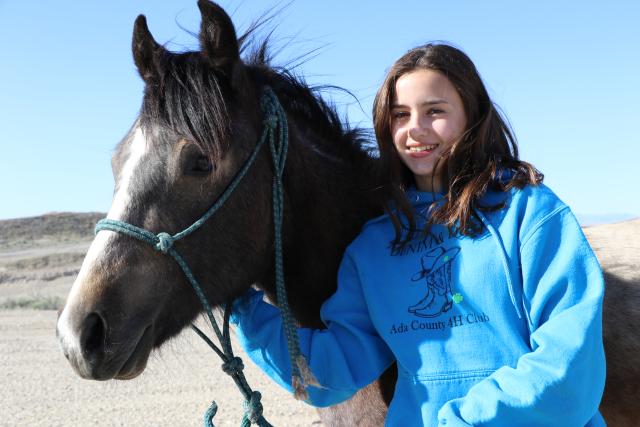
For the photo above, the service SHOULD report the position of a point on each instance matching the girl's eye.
(399, 115)
(433, 111)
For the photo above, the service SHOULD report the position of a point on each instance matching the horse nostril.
(93, 334)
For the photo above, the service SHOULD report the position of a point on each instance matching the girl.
(477, 281)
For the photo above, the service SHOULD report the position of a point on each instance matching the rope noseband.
(274, 120)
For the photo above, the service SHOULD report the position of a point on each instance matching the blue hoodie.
(502, 329)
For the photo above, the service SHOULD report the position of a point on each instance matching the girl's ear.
(145, 50)
(218, 41)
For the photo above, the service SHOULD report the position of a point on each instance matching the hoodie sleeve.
(560, 382)
(344, 358)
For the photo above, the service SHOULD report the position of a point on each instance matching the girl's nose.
(418, 125)
(416, 132)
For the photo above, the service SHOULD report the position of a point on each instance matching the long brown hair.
(474, 161)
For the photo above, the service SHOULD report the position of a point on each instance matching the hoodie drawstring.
(505, 261)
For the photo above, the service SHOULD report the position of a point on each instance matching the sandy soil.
(40, 388)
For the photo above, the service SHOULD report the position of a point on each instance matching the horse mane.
(189, 97)
(306, 104)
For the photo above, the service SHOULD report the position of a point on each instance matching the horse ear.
(218, 40)
(145, 49)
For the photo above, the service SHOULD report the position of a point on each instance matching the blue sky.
(565, 73)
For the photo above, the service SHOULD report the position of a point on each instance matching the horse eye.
(200, 165)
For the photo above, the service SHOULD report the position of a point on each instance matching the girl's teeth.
(422, 148)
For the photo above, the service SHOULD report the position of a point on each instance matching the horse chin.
(137, 360)
(129, 375)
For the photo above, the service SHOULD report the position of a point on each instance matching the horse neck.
(327, 200)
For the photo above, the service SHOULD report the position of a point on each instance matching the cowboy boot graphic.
(436, 270)
(424, 302)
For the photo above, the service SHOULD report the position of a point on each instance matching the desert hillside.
(40, 256)
(48, 229)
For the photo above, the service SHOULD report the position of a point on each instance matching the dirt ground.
(39, 387)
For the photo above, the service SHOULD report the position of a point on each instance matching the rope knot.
(254, 407)
(233, 366)
(270, 121)
(165, 241)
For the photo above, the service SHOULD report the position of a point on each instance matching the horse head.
(200, 119)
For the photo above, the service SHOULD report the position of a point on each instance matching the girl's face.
(427, 116)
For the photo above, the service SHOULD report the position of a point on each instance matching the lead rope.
(301, 375)
(163, 242)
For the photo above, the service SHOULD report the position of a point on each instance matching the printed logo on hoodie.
(435, 273)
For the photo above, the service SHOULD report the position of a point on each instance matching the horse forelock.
(189, 100)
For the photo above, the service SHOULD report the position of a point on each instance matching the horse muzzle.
(100, 351)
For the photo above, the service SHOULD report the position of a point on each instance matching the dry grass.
(33, 303)
(42, 268)
(46, 261)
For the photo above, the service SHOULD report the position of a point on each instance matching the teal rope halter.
(274, 119)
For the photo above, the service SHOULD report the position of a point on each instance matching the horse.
(618, 249)
(200, 119)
